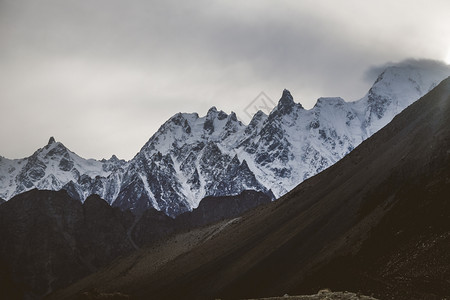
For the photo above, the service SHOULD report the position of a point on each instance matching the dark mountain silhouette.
(376, 222)
(49, 240)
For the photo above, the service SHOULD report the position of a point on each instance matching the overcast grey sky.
(103, 75)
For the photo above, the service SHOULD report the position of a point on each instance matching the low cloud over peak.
(425, 64)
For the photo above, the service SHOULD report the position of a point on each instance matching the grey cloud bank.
(102, 76)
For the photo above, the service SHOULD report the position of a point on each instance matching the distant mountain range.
(376, 223)
(192, 157)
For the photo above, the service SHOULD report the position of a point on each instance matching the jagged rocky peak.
(258, 116)
(176, 119)
(219, 125)
(179, 120)
(233, 117)
(254, 126)
(286, 99)
(55, 149)
(287, 94)
(256, 120)
(189, 155)
(212, 112)
(112, 159)
(286, 103)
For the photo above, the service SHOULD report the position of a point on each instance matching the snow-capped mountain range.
(191, 157)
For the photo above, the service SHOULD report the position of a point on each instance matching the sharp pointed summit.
(212, 110)
(286, 103)
(51, 141)
(287, 94)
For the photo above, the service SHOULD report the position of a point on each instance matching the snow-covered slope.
(54, 167)
(294, 144)
(188, 159)
(395, 89)
(191, 157)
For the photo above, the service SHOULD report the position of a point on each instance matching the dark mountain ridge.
(49, 240)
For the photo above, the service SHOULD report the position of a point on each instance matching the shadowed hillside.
(49, 240)
(375, 222)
